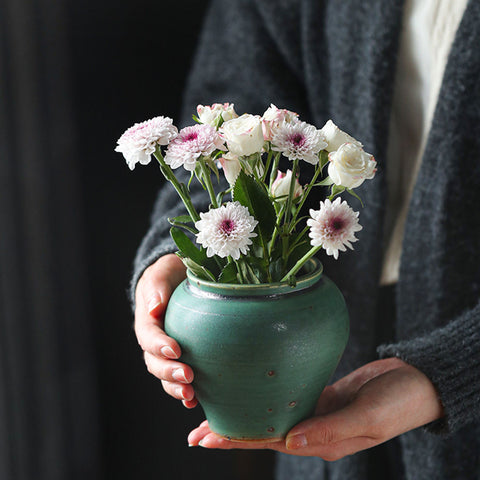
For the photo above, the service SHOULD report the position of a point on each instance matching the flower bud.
(281, 186)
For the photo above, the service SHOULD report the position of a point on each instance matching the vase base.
(253, 440)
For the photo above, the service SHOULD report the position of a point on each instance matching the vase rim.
(314, 272)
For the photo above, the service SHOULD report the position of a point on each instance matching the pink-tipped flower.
(333, 226)
(273, 118)
(281, 186)
(209, 114)
(226, 231)
(138, 143)
(190, 143)
(299, 141)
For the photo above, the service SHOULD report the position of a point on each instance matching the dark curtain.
(76, 401)
(48, 404)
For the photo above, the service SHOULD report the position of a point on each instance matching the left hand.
(369, 406)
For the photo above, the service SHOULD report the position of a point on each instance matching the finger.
(351, 421)
(178, 390)
(336, 451)
(152, 295)
(190, 403)
(158, 282)
(213, 440)
(198, 434)
(153, 339)
(328, 401)
(359, 377)
(168, 369)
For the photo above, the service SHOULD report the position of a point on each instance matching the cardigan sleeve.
(450, 358)
(243, 59)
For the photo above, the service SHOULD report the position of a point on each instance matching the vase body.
(261, 354)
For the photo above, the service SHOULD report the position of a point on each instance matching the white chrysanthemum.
(300, 141)
(139, 142)
(333, 226)
(226, 230)
(190, 143)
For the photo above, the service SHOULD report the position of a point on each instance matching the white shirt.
(429, 28)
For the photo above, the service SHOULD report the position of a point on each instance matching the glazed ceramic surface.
(261, 354)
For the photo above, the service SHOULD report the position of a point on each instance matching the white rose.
(243, 134)
(273, 118)
(281, 186)
(209, 114)
(349, 166)
(336, 137)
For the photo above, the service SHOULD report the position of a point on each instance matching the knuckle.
(325, 434)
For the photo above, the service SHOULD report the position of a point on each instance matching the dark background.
(76, 401)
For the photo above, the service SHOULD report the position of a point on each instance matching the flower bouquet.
(259, 323)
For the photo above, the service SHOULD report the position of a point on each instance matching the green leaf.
(298, 252)
(220, 196)
(326, 182)
(323, 155)
(351, 192)
(180, 219)
(276, 269)
(186, 247)
(336, 190)
(253, 195)
(228, 274)
(198, 270)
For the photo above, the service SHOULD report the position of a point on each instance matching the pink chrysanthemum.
(300, 141)
(190, 143)
(139, 142)
(333, 226)
(226, 231)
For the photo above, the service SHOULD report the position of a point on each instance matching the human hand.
(369, 406)
(154, 289)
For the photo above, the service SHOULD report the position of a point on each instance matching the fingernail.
(296, 441)
(179, 374)
(201, 444)
(154, 303)
(179, 391)
(168, 352)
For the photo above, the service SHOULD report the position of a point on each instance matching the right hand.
(153, 292)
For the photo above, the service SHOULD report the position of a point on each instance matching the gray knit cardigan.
(336, 59)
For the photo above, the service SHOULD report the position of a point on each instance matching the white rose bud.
(243, 134)
(209, 114)
(350, 165)
(231, 167)
(336, 137)
(281, 186)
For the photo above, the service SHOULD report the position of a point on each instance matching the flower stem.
(273, 173)
(170, 176)
(276, 230)
(288, 209)
(305, 195)
(267, 163)
(239, 270)
(300, 263)
(208, 183)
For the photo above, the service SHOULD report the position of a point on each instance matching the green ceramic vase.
(261, 354)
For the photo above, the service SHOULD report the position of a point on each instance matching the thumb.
(325, 430)
(158, 282)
